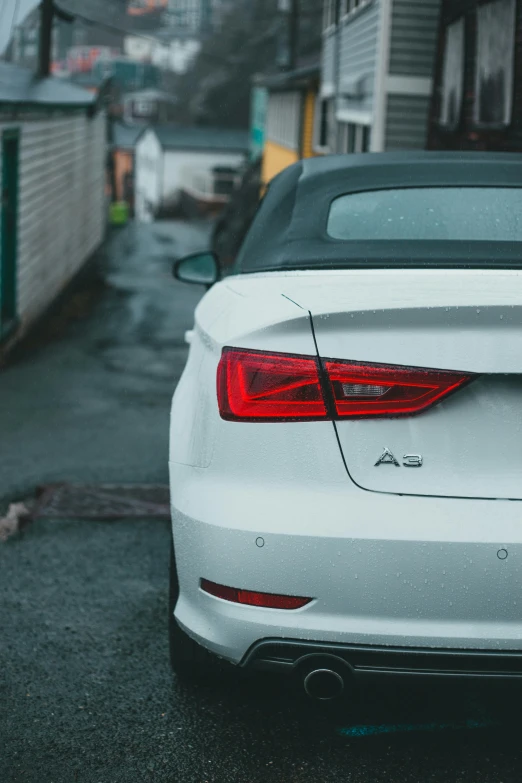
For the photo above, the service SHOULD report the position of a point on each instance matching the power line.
(14, 19)
(118, 30)
(109, 27)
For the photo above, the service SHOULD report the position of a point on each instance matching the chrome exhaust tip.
(323, 684)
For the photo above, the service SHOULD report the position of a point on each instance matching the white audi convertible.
(346, 439)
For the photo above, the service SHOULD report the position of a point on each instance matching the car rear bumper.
(383, 571)
(373, 663)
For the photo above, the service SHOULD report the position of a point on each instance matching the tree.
(216, 90)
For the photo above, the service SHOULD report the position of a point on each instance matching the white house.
(176, 165)
(377, 73)
(175, 53)
(52, 177)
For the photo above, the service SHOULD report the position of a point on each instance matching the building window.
(323, 124)
(495, 60)
(142, 108)
(366, 138)
(284, 119)
(452, 89)
(355, 138)
(329, 14)
(225, 179)
(347, 6)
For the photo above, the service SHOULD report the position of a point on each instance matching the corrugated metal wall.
(284, 119)
(407, 122)
(358, 55)
(61, 204)
(413, 40)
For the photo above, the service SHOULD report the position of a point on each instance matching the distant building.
(128, 74)
(67, 39)
(191, 168)
(377, 73)
(52, 177)
(174, 40)
(193, 17)
(163, 49)
(477, 96)
(149, 107)
(292, 126)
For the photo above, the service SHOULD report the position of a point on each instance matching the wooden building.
(192, 166)
(291, 130)
(52, 175)
(377, 66)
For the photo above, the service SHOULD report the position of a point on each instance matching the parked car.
(345, 451)
(233, 224)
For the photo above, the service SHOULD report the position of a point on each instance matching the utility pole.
(289, 10)
(293, 34)
(46, 37)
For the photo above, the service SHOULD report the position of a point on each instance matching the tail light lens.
(258, 386)
(252, 598)
(381, 390)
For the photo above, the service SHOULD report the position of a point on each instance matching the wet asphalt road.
(85, 690)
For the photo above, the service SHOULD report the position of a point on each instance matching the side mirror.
(198, 268)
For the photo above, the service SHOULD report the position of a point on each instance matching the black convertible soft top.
(289, 230)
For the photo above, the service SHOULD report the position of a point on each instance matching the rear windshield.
(434, 213)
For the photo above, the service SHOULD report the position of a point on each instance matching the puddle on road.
(402, 728)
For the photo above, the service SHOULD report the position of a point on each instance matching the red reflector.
(258, 386)
(382, 390)
(252, 598)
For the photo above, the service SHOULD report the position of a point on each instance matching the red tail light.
(381, 390)
(258, 386)
(254, 386)
(251, 598)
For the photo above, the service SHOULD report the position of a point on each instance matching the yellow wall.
(308, 125)
(275, 159)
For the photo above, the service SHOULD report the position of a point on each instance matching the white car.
(346, 439)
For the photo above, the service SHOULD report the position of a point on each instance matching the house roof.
(305, 73)
(151, 94)
(202, 138)
(125, 136)
(21, 86)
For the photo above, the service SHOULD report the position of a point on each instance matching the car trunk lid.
(468, 444)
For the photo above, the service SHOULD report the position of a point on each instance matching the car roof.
(290, 227)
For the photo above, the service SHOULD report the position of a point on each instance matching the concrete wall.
(62, 206)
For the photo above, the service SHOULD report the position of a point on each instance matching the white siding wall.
(413, 43)
(284, 119)
(358, 60)
(149, 176)
(62, 209)
(190, 169)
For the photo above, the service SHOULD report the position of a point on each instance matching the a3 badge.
(408, 461)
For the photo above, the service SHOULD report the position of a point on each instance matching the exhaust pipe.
(323, 684)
